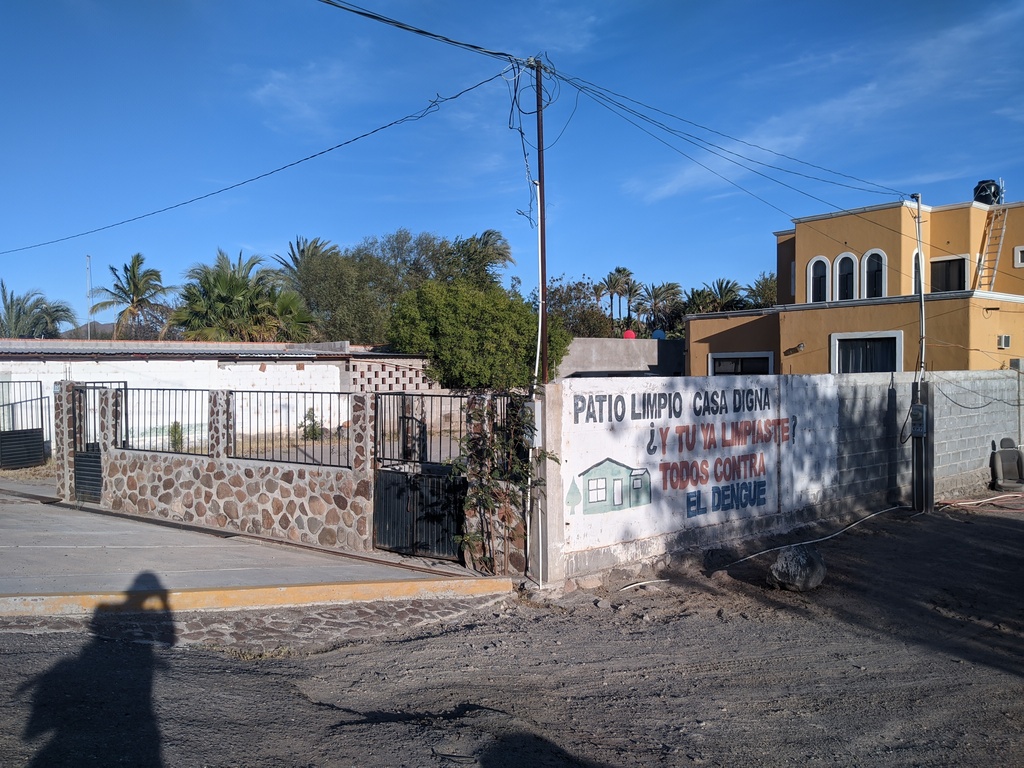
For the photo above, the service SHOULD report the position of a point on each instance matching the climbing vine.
(501, 469)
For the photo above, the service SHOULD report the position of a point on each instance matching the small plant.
(177, 437)
(310, 427)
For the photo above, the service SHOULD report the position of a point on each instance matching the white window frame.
(964, 257)
(810, 280)
(835, 338)
(864, 273)
(712, 356)
(597, 490)
(1018, 256)
(835, 276)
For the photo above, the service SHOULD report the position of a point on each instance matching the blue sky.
(112, 109)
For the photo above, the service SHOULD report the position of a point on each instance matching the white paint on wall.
(651, 456)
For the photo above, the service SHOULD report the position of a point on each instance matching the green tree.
(300, 253)
(239, 301)
(763, 292)
(473, 337)
(139, 291)
(576, 304)
(657, 302)
(32, 315)
(726, 295)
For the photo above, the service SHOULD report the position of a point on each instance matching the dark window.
(819, 281)
(917, 274)
(949, 275)
(751, 366)
(867, 355)
(845, 279)
(873, 276)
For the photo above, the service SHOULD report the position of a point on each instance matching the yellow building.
(849, 298)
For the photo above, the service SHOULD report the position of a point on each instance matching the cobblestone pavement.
(276, 631)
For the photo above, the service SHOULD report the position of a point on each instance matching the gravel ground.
(910, 653)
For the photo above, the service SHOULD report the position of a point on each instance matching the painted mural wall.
(648, 457)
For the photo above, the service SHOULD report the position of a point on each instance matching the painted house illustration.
(610, 485)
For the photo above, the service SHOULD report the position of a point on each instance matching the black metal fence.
(23, 406)
(24, 428)
(169, 420)
(294, 427)
(86, 414)
(419, 428)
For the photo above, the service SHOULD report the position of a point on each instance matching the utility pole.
(542, 291)
(88, 295)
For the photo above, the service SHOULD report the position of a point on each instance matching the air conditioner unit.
(1003, 341)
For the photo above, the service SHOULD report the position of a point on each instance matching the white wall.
(720, 453)
(183, 374)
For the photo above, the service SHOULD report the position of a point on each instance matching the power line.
(353, 8)
(432, 107)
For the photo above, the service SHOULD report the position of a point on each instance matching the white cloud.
(304, 98)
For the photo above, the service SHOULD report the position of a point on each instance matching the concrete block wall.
(873, 463)
(404, 376)
(968, 410)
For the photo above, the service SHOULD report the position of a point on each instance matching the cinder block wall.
(970, 409)
(874, 451)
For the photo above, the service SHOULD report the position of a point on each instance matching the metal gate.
(22, 424)
(418, 495)
(85, 437)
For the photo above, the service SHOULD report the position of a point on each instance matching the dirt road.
(911, 653)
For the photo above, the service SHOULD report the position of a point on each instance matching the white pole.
(920, 272)
(88, 295)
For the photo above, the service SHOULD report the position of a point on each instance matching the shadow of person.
(98, 705)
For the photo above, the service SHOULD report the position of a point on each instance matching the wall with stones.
(328, 507)
(320, 506)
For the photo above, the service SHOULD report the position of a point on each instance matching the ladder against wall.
(991, 248)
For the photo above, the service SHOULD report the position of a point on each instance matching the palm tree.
(726, 295)
(657, 302)
(300, 253)
(32, 315)
(624, 279)
(698, 301)
(139, 291)
(239, 301)
(632, 291)
(763, 292)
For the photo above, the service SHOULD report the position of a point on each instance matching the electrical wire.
(812, 541)
(432, 107)
(353, 8)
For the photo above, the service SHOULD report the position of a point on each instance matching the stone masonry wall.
(328, 507)
(320, 506)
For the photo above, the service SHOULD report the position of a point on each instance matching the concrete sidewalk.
(59, 560)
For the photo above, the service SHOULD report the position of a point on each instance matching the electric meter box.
(918, 420)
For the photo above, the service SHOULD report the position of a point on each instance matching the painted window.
(874, 275)
(638, 483)
(846, 285)
(949, 274)
(879, 352)
(597, 490)
(617, 492)
(741, 363)
(817, 279)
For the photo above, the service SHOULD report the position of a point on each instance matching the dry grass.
(47, 471)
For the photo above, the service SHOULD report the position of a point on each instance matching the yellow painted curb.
(218, 598)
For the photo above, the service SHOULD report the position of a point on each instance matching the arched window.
(874, 278)
(846, 277)
(817, 279)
